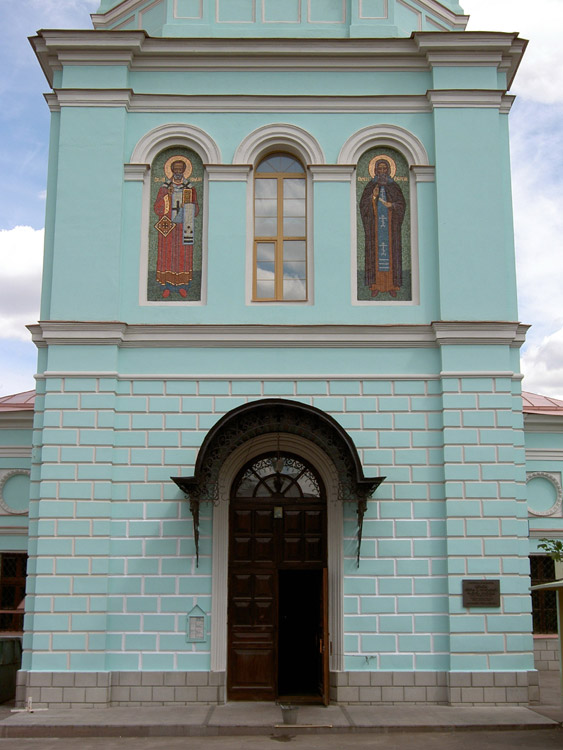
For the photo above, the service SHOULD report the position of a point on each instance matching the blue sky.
(537, 156)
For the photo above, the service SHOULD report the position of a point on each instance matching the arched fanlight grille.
(277, 476)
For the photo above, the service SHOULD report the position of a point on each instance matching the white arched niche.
(138, 170)
(421, 170)
(284, 442)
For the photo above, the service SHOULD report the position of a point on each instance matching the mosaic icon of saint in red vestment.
(176, 206)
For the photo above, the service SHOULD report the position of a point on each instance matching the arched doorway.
(254, 430)
(277, 582)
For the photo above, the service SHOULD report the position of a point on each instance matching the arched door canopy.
(278, 416)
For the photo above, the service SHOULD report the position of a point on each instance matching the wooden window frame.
(279, 239)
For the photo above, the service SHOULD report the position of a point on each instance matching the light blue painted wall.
(321, 18)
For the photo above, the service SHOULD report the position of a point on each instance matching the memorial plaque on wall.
(481, 593)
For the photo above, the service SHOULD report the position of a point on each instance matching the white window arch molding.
(283, 442)
(174, 134)
(256, 145)
(421, 171)
(279, 137)
(138, 170)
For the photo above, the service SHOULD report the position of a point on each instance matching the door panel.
(273, 645)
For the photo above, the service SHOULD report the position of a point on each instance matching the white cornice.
(466, 98)
(423, 173)
(13, 530)
(135, 172)
(542, 454)
(137, 51)
(543, 423)
(228, 172)
(49, 333)
(172, 103)
(474, 48)
(332, 172)
(16, 419)
(234, 103)
(16, 451)
(487, 332)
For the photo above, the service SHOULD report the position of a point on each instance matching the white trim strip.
(440, 333)
(284, 377)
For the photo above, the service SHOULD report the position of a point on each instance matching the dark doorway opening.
(300, 634)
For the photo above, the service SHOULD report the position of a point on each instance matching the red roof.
(18, 402)
(536, 404)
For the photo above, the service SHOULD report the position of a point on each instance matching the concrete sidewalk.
(265, 719)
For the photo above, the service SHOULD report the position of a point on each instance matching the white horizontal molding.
(423, 173)
(543, 454)
(286, 336)
(138, 51)
(16, 420)
(13, 531)
(16, 451)
(487, 332)
(549, 533)
(552, 423)
(332, 172)
(467, 99)
(481, 374)
(135, 172)
(228, 172)
(226, 377)
(173, 103)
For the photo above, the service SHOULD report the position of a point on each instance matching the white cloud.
(542, 366)
(21, 260)
(18, 363)
(540, 77)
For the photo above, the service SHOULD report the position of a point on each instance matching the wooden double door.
(278, 608)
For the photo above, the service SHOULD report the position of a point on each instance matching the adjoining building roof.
(533, 403)
(18, 402)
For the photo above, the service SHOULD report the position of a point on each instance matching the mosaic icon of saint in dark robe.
(176, 206)
(382, 209)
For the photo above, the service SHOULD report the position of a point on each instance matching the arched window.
(280, 230)
(277, 476)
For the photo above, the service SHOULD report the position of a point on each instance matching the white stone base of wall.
(546, 652)
(97, 689)
(450, 689)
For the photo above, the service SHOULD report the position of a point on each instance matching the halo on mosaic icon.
(168, 166)
(383, 157)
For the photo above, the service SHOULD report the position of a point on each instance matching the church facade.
(278, 444)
